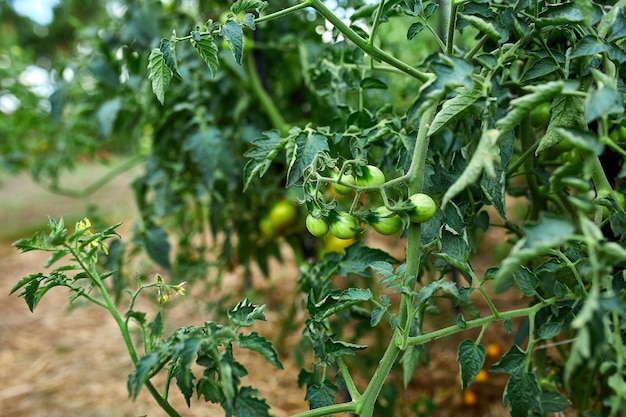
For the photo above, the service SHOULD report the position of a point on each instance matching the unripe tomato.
(334, 244)
(267, 230)
(371, 176)
(342, 189)
(621, 198)
(282, 215)
(386, 222)
(540, 115)
(317, 226)
(343, 225)
(424, 208)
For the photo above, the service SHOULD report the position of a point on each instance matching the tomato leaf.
(157, 245)
(321, 394)
(260, 345)
(522, 395)
(205, 147)
(207, 50)
(241, 6)
(455, 108)
(232, 32)
(244, 313)
(566, 111)
(159, 73)
(307, 146)
(471, 357)
(264, 150)
(336, 348)
(486, 154)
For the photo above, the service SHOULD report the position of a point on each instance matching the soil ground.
(71, 362)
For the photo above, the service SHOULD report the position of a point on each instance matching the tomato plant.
(451, 118)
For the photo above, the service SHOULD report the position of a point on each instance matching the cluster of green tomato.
(343, 225)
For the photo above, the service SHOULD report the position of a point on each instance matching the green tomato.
(371, 176)
(317, 226)
(267, 230)
(540, 115)
(424, 208)
(342, 189)
(386, 222)
(343, 225)
(283, 215)
(621, 198)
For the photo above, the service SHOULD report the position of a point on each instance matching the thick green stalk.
(450, 330)
(121, 324)
(266, 101)
(363, 44)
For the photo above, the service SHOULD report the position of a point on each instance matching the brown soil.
(62, 362)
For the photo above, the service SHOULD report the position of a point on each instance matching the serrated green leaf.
(159, 73)
(486, 26)
(265, 149)
(522, 395)
(526, 281)
(521, 106)
(588, 46)
(512, 362)
(603, 101)
(248, 405)
(232, 32)
(241, 6)
(553, 402)
(560, 14)
(548, 330)
(307, 146)
(337, 348)
(410, 359)
(336, 301)
(486, 154)
(414, 29)
(539, 68)
(471, 357)
(321, 394)
(566, 111)
(455, 249)
(141, 373)
(356, 260)
(208, 52)
(453, 109)
(371, 83)
(260, 345)
(169, 56)
(244, 313)
(205, 147)
(182, 370)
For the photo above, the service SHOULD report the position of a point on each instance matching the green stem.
(283, 12)
(372, 50)
(522, 312)
(328, 410)
(451, 26)
(376, 24)
(266, 101)
(347, 378)
(121, 324)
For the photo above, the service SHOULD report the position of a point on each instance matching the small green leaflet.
(159, 73)
(487, 152)
(307, 146)
(485, 26)
(566, 111)
(522, 395)
(471, 357)
(241, 6)
(521, 107)
(265, 149)
(169, 56)
(260, 345)
(321, 394)
(232, 32)
(244, 313)
(247, 404)
(208, 52)
(454, 108)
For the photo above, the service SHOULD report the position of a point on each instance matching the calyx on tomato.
(343, 225)
(386, 222)
(371, 176)
(317, 226)
(423, 208)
